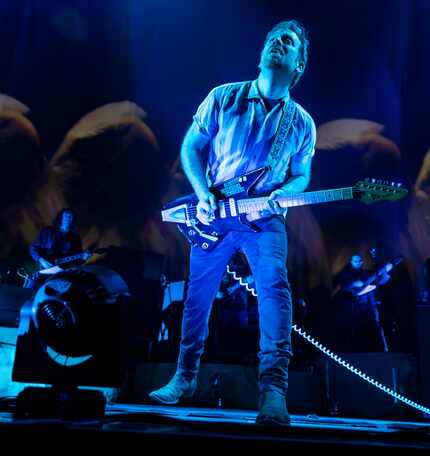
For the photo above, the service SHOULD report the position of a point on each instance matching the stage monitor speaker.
(423, 335)
(351, 396)
(143, 271)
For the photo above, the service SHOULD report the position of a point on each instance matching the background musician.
(356, 306)
(58, 241)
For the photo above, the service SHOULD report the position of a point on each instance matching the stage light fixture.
(73, 332)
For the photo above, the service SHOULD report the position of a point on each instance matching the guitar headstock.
(373, 190)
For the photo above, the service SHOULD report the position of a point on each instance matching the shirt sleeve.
(307, 149)
(206, 116)
(37, 247)
(34, 249)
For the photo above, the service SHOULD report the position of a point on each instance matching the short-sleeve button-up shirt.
(242, 131)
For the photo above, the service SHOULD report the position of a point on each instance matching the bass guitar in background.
(363, 287)
(371, 283)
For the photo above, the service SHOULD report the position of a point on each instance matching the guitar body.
(207, 236)
(371, 283)
(51, 270)
(367, 289)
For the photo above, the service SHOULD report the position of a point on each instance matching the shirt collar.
(254, 94)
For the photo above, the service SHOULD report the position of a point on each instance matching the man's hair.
(298, 28)
(59, 217)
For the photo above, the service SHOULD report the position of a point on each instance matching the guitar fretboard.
(248, 205)
(69, 258)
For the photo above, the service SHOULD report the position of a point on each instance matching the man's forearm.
(194, 170)
(296, 184)
(34, 253)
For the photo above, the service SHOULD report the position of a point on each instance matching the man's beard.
(271, 61)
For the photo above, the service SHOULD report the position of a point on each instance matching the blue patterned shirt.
(234, 117)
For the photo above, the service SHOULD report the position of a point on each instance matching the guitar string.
(312, 197)
(345, 193)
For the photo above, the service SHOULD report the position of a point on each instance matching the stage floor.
(177, 427)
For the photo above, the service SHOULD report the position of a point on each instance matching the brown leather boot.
(272, 409)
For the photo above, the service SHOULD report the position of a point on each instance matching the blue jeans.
(266, 252)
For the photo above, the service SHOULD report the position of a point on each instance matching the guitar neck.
(248, 205)
(393, 263)
(69, 258)
(370, 279)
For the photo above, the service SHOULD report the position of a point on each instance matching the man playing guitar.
(247, 126)
(359, 325)
(59, 245)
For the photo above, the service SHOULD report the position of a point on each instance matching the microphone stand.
(376, 315)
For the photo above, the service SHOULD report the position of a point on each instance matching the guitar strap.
(284, 125)
(287, 119)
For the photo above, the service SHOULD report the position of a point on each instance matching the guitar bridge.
(209, 237)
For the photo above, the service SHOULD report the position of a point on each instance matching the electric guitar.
(369, 284)
(78, 256)
(235, 203)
